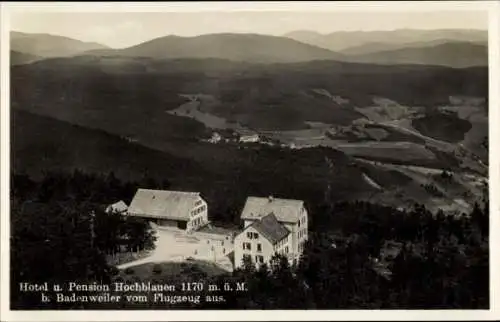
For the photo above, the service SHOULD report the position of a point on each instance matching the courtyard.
(175, 245)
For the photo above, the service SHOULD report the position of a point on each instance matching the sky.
(123, 29)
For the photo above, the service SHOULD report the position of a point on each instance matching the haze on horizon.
(123, 29)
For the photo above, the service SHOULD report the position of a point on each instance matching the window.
(259, 259)
(247, 257)
(251, 235)
(247, 246)
(286, 250)
(259, 247)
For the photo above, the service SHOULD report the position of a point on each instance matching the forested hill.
(41, 144)
(441, 262)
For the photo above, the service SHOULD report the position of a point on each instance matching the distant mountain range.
(373, 47)
(45, 45)
(453, 48)
(237, 47)
(342, 40)
(454, 54)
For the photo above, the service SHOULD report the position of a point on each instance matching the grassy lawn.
(169, 271)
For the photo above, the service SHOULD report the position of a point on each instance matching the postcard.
(249, 161)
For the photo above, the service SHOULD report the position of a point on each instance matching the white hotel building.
(271, 225)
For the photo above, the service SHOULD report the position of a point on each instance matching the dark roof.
(270, 228)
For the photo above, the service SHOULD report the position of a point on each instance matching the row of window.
(302, 221)
(252, 235)
(281, 243)
(283, 251)
(248, 246)
(221, 242)
(198, 210)
(258, 258)
(197, 222)
(302, 233)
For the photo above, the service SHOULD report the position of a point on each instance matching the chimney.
(271, 198)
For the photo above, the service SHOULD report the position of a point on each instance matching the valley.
(303, 111)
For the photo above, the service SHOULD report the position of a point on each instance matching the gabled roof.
(163, 204)
(270, 228)
(119, 206)
(285, 210)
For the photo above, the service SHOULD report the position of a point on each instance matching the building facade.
(289, 214)
(249, 138)
(221, 238)
(260, 240)
(177, 209)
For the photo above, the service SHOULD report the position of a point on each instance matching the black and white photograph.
(267, 159)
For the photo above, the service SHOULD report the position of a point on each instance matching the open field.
(174, 245)
(195, 109)
(458, 193)
(403, 151)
